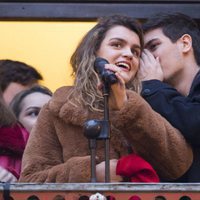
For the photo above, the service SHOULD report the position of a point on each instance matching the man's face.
(13, 89)
(169, 53)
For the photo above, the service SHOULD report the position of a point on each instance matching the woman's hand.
(117, 95)
(100, 172)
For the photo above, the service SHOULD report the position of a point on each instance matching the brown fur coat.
(57, 150)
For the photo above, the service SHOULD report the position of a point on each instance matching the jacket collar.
(195, 88)
(76, 115)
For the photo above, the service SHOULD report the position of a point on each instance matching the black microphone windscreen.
(107, 76)
(99, 64)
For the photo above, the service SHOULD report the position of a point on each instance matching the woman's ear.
(186, 41)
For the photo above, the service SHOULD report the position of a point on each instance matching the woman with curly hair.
(58, 151)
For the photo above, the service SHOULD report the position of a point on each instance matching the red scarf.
(136, 169)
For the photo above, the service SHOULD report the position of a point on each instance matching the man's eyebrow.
(149, 43)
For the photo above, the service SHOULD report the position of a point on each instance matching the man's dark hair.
(18, 72)
(174, 25)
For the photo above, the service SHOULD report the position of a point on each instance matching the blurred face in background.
(30, 108)
(13, 89)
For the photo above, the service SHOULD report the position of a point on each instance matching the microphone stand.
(106, 89)
(93, 146)
(92, 129)
(99, 130)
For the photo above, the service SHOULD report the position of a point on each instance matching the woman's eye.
(117, 45)
(33, 113)
(136, 53)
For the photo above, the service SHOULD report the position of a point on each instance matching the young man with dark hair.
(171, 79)
(16, 76)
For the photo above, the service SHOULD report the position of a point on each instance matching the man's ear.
(186, 41)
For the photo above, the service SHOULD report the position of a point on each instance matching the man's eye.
(152, 47)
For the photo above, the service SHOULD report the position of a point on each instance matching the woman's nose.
(127, 53)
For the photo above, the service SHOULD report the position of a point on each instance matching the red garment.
(137, 169)
(12, 144)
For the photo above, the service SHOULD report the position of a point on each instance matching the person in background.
(171, 78)
(58, 151)
(27, 104)
(13, 139)
(16, 76)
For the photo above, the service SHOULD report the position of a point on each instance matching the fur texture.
(57, 150)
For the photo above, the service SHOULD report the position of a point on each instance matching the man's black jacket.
(183, 112)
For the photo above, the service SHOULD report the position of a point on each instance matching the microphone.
(107, 76)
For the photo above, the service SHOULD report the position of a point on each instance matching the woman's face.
(121, 47)
(30, 108)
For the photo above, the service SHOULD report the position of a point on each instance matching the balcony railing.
(85, 191)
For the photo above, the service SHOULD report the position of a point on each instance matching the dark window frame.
(89, 11)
